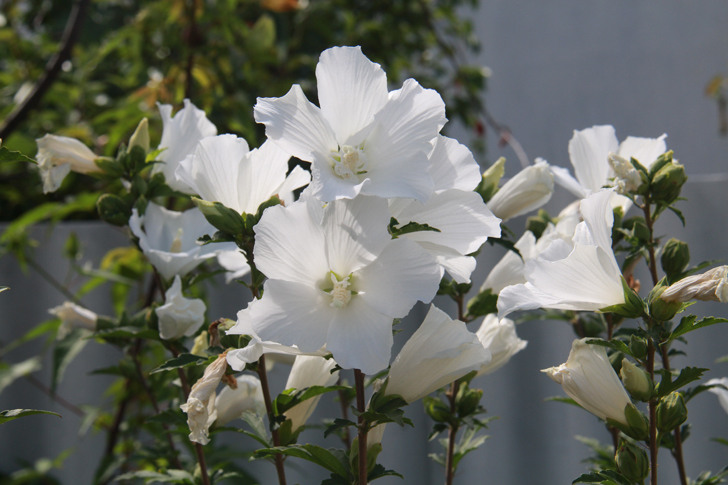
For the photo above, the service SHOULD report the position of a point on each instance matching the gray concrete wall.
(557, 66)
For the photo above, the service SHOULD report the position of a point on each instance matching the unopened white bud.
(531, 188)
(709, 286)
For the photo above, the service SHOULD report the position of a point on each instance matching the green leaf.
(331, 459)
(172, 476)
(11, 414)
(173, 417)
(13, 156)
(468, 442)
(563, 399)
(49, 327)
(126, 332)
(11, 373)
(183, 360)
(408, 228)
(605, 477)
(378, 471)
(65, 351)
(688, 324)
(339, 423)
(292, 397)
(686, 376)
(258, 426)
(613, 344)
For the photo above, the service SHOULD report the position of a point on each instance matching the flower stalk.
(452, 397)
(278, 458)
(362, 424)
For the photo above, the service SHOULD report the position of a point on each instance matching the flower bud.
(468, 400)
(637, 382)
(638, 347)
(675, 257)
(437, 410)
(308, 371)
(709, 286)
(140, 138)
(671, 412)
(488, 185)
(660, 162)
(638, 424)
(531, 188)
(113, 209)
(223, 218)
(632, 462)
(73, 316)
(660, 309)
(668, 182)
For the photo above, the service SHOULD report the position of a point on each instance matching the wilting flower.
(224, 170)
(180, 136)
(308, 371)
(439, 352)
(589, 379)
(720, 391)
(73, 316)
(709, 286)
(58, 155)
(238, 358)
(583, 277)
(169, 239)
(179, 316)
(336, 278)
(362, 139)
(462, 220)
(200, 405)
(231, 403)
(499, 337)
(531, 188)
(589, 151)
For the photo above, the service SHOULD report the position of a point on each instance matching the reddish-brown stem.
(651, 242)
(653, 418)
(361, 407)
(677, 452)
(346, 438)
(453, 430)
(278, 458)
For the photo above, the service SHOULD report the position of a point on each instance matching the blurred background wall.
(557, 66)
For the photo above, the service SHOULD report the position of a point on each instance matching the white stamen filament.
(340, 295)
(176, 246)
(349, 162)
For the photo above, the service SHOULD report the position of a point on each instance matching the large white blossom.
(439, 352)
(180, 136)
(336, 278)
(499, 337)
(589, 379)
(362, 139)
(528, 190)
(231, 403)
(308, 371)
(179, 316)
(238, 358)
(169, 239)
(462, 220)
(58, 155)
(583, 277)
(200, 405)
(224, 170)
(589, 151)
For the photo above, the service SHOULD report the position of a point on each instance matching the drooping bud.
(632, 462)
(488, 185)
(668, 182)
(675, 257)
(671, 412)
(140, 138)
(709, 286)
(637, 382)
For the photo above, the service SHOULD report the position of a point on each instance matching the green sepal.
(633, 306)
(221, 217)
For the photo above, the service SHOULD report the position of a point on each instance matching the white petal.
(296, 125)
(523, 297)
(263, 171)
(453, 166)
(212, 172)
(464, 221)
(360, 337)
(293, 314)
(406, 177)
(235, 263)
(351, 89)
(599, 217)
(644, 150)
(509, 270)
(53, 177)
(327, 186)
(355, 232)
(458, 266)
(588, 151)
(180, 136)
(295, 180)
(402, 274)
(563, 177)
(290, 244)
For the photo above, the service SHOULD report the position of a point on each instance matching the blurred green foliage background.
(222, 54)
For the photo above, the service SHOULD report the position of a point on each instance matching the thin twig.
(653, 417)
(52, 281)
(46, 390)
(361, 407)
(191, 41)
(53, 67)
(269, 409)
(452, 397)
